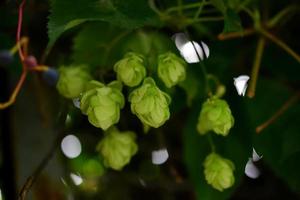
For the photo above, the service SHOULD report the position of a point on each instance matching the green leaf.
(232, 22)
(67, 14)
(103, 49)
(96, 47)
(279, 142)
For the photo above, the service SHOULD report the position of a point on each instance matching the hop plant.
(72, 81)
(171, 69)
(215, 116)
(218, 171)
(130, 70)
(117, 148)
(102, 103)
(150, 104)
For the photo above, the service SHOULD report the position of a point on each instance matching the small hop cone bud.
(218, 171)
(150, 104)
(117, 148)
(102, 103)
(215, 116)
(171, 69)
(130, 70)
(72, 81)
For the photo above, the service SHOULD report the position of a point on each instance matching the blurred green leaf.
(232, 22)
(97, 47)
(70, 13)
(103, 49)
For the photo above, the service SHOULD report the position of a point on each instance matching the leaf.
(67, 14)
(279, 142)
(96, 47)
(232, 22)
(103, 49)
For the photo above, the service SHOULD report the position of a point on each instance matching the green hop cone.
(117, 148)
(171, 69)
(72, 81)
(102, 103)
(218, 171)
(130, 70)
(215, 116)
(150, 104)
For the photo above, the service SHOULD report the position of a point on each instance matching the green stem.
(179, 3)
(255, 69)
(205, 19)
(184, 7)
(280, 43)
(199, 11)
(283, 14)
(211, 143)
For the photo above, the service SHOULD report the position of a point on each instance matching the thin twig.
(284, 107)
(32, 179)
(233, 35)
(256, 65)
(16, 91)
(281, 44)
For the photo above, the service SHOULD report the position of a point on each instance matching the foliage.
(132, 85)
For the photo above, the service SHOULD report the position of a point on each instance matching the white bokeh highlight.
(160, 156)
(76, 102)
(251, 169)
(77, 180)
(190, 50)
(241, 84)
(255, 156)
(71, 146)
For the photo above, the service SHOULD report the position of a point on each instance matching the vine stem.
(199, 10)
(19, 30)
(16, 91)
(211, 142)
(22, 47)
(184, 7)
(255, 69)
(179, 2)
(233, 35)
(281, 110)
(32, 179)
(280, 43)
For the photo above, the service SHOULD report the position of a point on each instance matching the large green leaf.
(99, 48)
(232, 22)
(66, 14)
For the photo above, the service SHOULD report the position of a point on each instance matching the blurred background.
(34, 127)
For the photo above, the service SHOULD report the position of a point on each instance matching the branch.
(32, 179)
(284, 107)
(280, 43)
(233, 35)
(255, 69)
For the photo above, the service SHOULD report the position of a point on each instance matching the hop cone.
(150, 104)
(72, 81)
(102, 103)
(117, 148)
(130, 70)
(218, 171)
(171, 69)
(215, 116)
